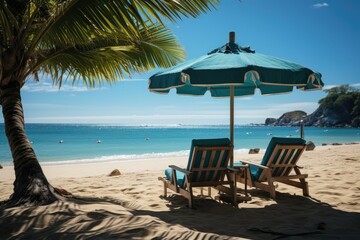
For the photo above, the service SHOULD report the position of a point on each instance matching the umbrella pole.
(232, 123)
(232, 40)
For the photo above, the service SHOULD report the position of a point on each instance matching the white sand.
(130, 206)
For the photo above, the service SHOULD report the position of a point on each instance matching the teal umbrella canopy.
(232, 70)
(241, 67)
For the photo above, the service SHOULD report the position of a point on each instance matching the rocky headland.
(340, 108)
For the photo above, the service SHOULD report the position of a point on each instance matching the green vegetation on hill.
(342, 104)
(340, 108)
(293, 115)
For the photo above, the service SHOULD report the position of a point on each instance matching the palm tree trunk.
(30, 186)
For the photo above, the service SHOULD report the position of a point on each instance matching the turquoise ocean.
(79, 143)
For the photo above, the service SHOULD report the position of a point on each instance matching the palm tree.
(77, 40)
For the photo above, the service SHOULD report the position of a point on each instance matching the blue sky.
(321, 35)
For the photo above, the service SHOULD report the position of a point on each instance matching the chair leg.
(233, 189)
(271, 185)
(272, 190)
(304, 184)
(305, 188)
(247, 177)
(165, 189)
(191, 199)
(234, 193)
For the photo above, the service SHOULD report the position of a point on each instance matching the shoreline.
(97, 168)
(148, 156)
(123, 158)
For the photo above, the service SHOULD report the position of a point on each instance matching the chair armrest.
(255, 164)
(238, 167)
(179, 169)
(233, 169)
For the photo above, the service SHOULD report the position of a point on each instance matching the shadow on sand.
(296, 217)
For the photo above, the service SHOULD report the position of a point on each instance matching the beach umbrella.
(232, 71)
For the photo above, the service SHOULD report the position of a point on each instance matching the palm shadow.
(299, 216)
(291, 215)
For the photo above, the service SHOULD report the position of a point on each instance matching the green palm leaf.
(112, 57)
(99, 40)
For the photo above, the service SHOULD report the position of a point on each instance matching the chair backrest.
(209, 158)
(281, 156)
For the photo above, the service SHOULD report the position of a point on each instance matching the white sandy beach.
(131, 206)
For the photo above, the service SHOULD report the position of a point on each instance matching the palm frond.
(7, 23)
(113, 57)
(159, 48)
(76, 20)
(98, 40)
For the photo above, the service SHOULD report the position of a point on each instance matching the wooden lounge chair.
(280, 158)
(207, 167)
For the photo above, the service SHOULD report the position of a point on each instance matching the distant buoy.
(146, 139)
(61, 141)
(98, 141)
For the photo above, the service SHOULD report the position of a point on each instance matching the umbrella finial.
(232, 37)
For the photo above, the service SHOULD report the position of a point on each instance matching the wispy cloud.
(320, 5)
(205, 116)
(275, 111)
(46, 85)
(49, 87)
(134, 80)
(355, 85)
(125, 119)
(326, 87)
(50, 107)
